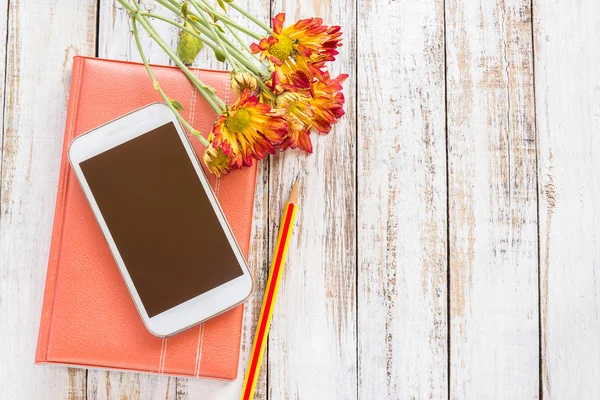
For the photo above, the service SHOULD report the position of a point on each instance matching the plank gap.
(97, 47)
(268, 208)
(356, 195)
(448, 269)
(537, 197)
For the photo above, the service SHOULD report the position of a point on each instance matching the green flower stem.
(263, 86)
(215, 102)
(236, 65)
(243, 45)
(159, 89)
(204, 27)
(175, 7)
(137, 15)
(225, 19)
(217, 37)
(205, 39)
(200, 27)
(231, 53)
(250, 17)
(236, 58)
(192, 32)
(248, 63)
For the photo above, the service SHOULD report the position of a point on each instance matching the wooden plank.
(259, 253)
(492, 200)
(568, 122)
(115, 37)
(42, 39)
(312, 345)
(3, 40)
(107, 385)
(402, 257)
(197, 389)
(115, 40)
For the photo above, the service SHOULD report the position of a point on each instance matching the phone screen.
(161, 219)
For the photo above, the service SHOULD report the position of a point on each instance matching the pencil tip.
(294, 193)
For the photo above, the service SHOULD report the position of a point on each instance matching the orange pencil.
(270, 296)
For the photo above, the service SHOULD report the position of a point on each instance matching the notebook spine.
(55, 247)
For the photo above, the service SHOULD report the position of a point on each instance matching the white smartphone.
(161, 219)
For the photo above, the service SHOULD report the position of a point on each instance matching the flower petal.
(278, 23)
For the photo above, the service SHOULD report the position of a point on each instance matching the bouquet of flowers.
(284, 89)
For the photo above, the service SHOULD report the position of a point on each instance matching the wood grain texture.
(196, 389)
(402, 257)
(568, 126)
(258, 260)
(106, 385)
(3, 45)
(42, 38)
(115, 37)
(312, 345)
(115, 40)
(492, 200)
(362, 311)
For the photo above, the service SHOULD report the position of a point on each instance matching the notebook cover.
(88, 318)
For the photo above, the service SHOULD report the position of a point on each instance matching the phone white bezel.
(199, 308)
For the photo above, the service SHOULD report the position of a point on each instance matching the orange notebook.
(88, 318)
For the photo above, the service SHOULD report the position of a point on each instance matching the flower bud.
(216, 161)
(241, 81)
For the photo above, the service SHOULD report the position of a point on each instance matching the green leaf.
(207, 11)
(222, 5)
(177, 105)
(184, 10)
(210, 13)
(220, 56)
(188, 47)
(189, 25)
(219, 27)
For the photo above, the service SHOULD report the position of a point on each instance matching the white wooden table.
(450, 233)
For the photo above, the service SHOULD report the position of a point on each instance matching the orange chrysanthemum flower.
(327, 101)
(292, 74)
(248, 129)
(216, 161)
(279, 83)
(307, 38)
(299, 113)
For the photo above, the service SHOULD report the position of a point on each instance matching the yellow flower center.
(294, 110)
(283, 48)
(239, 121)
(298, 109)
